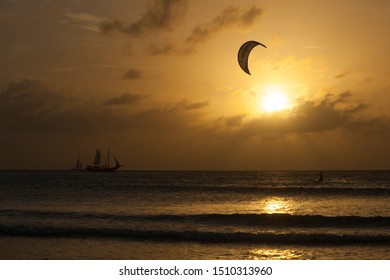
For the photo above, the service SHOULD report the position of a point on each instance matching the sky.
(158, 83)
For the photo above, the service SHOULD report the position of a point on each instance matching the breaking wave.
(195, 236)
(274, 220)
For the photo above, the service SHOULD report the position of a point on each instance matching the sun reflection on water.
(277, 205)
(275, 254)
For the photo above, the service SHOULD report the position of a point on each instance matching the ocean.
(194, 215)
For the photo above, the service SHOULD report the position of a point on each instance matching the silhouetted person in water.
(321, 177)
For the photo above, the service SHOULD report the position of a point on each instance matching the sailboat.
(98, 166)
(78, 166)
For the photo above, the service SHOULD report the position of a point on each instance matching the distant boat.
(78, 166)
(103, 166)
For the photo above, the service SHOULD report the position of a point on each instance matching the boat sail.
(98, 166)
(78, 166)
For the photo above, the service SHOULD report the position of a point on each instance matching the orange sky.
(158, 82)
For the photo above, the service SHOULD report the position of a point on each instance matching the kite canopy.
(244, 52)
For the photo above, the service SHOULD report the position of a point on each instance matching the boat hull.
(101, 168)
(77, 169)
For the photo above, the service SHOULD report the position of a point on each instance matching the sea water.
(194, 215)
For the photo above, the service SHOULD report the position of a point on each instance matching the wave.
(288, 220)
(268, 189)
(314, 189)
(252, 220)
(195, 236)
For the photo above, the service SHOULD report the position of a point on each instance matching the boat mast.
(108, 158)
(79, 165)
(96, 162)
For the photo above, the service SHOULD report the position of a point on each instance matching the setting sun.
(274, 101)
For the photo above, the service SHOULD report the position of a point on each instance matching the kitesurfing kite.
(244, 52)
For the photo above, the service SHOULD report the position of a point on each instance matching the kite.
(243, 54)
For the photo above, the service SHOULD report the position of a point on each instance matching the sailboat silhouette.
(78, 166)
(103, 166)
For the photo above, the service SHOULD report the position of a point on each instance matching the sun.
(274, 101)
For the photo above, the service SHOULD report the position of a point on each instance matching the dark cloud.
(159, 120)
(187, 105)
(163, 15)
(167, 48)
(234, 121)
(231, 16)
(330, 113)
(132, 74)
(324, 115)
(125, 99)
(342, 75)
(197, 105)
(32, 106)
(25, 102)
